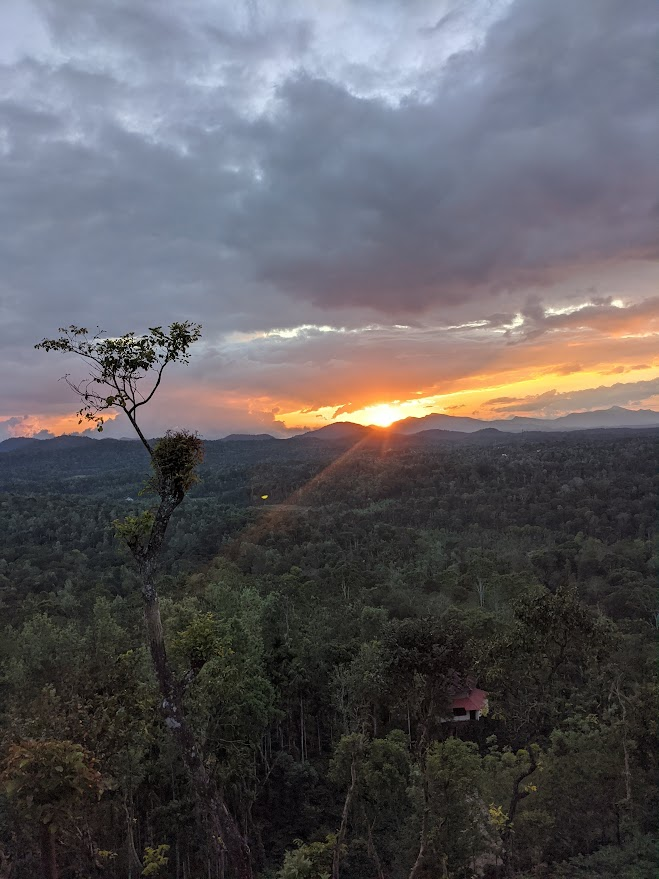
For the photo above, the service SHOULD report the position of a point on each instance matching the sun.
(383, 415)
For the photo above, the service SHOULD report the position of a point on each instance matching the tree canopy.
(124, 372)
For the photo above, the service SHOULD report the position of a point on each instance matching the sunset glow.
(382, 415)
(337, 275)
(495, 396)
(500, 393)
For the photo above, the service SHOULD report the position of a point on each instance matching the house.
(468, 704)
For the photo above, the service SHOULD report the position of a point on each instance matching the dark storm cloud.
(536, 150)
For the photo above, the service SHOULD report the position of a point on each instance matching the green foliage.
(155, 859)
(48, 780)
(349, 750)
(135, 530)
(334, 627)
(550, 642)
(309, 861)
(637, 859)
(200, 641)
(383, 770)
(423, 661)
(458, 820)
(174, 462)
(119, 366)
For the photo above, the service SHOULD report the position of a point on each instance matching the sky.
(375, 208)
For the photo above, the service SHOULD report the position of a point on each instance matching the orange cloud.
(44, 426)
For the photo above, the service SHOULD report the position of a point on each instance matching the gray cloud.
(516, 169)
(263, 166)
(497, 401)
(134, 176)
(554, 403)
(601, 314)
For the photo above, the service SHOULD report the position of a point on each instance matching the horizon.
(95, 435)
(375, 213)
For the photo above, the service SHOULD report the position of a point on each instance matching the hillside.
(605, 418)
(330, 598)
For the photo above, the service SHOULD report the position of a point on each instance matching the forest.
(322, 603)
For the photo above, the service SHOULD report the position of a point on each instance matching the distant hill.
(69, 442)
(340, 430)
(65, 441)
(616, 416)
(435, 427)
(246, 437)
(16, 442)
(437, 421)
(110, 468)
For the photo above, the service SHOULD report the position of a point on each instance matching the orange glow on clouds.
(32, 425)
(466, 401)
(365, 390)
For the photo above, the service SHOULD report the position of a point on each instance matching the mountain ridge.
(613, 417)
(246, 437)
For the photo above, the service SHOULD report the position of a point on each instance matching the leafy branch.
(120, 366)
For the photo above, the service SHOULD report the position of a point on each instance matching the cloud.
(400, 172)
(567, 369)
(510, 173)
(554, 403)
(497, 401)
(532, 403)
(344, 410)
(22, 425)
(603, 315)
(159, 185)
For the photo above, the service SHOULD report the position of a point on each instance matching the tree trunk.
(134, 862)
(507, 837)
(370, 843)
(627, 775)
(225, 834)
(423, 836)
(48, 856)
(227, 842)
(341, 835)
(480, 589)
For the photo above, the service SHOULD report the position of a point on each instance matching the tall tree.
(425, 660)
(125, 373)
(540, 659)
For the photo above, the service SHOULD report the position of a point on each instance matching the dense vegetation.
(319, 633)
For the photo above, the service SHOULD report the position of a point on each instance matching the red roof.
(474, 700)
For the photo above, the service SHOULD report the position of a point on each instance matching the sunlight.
(383, 415)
